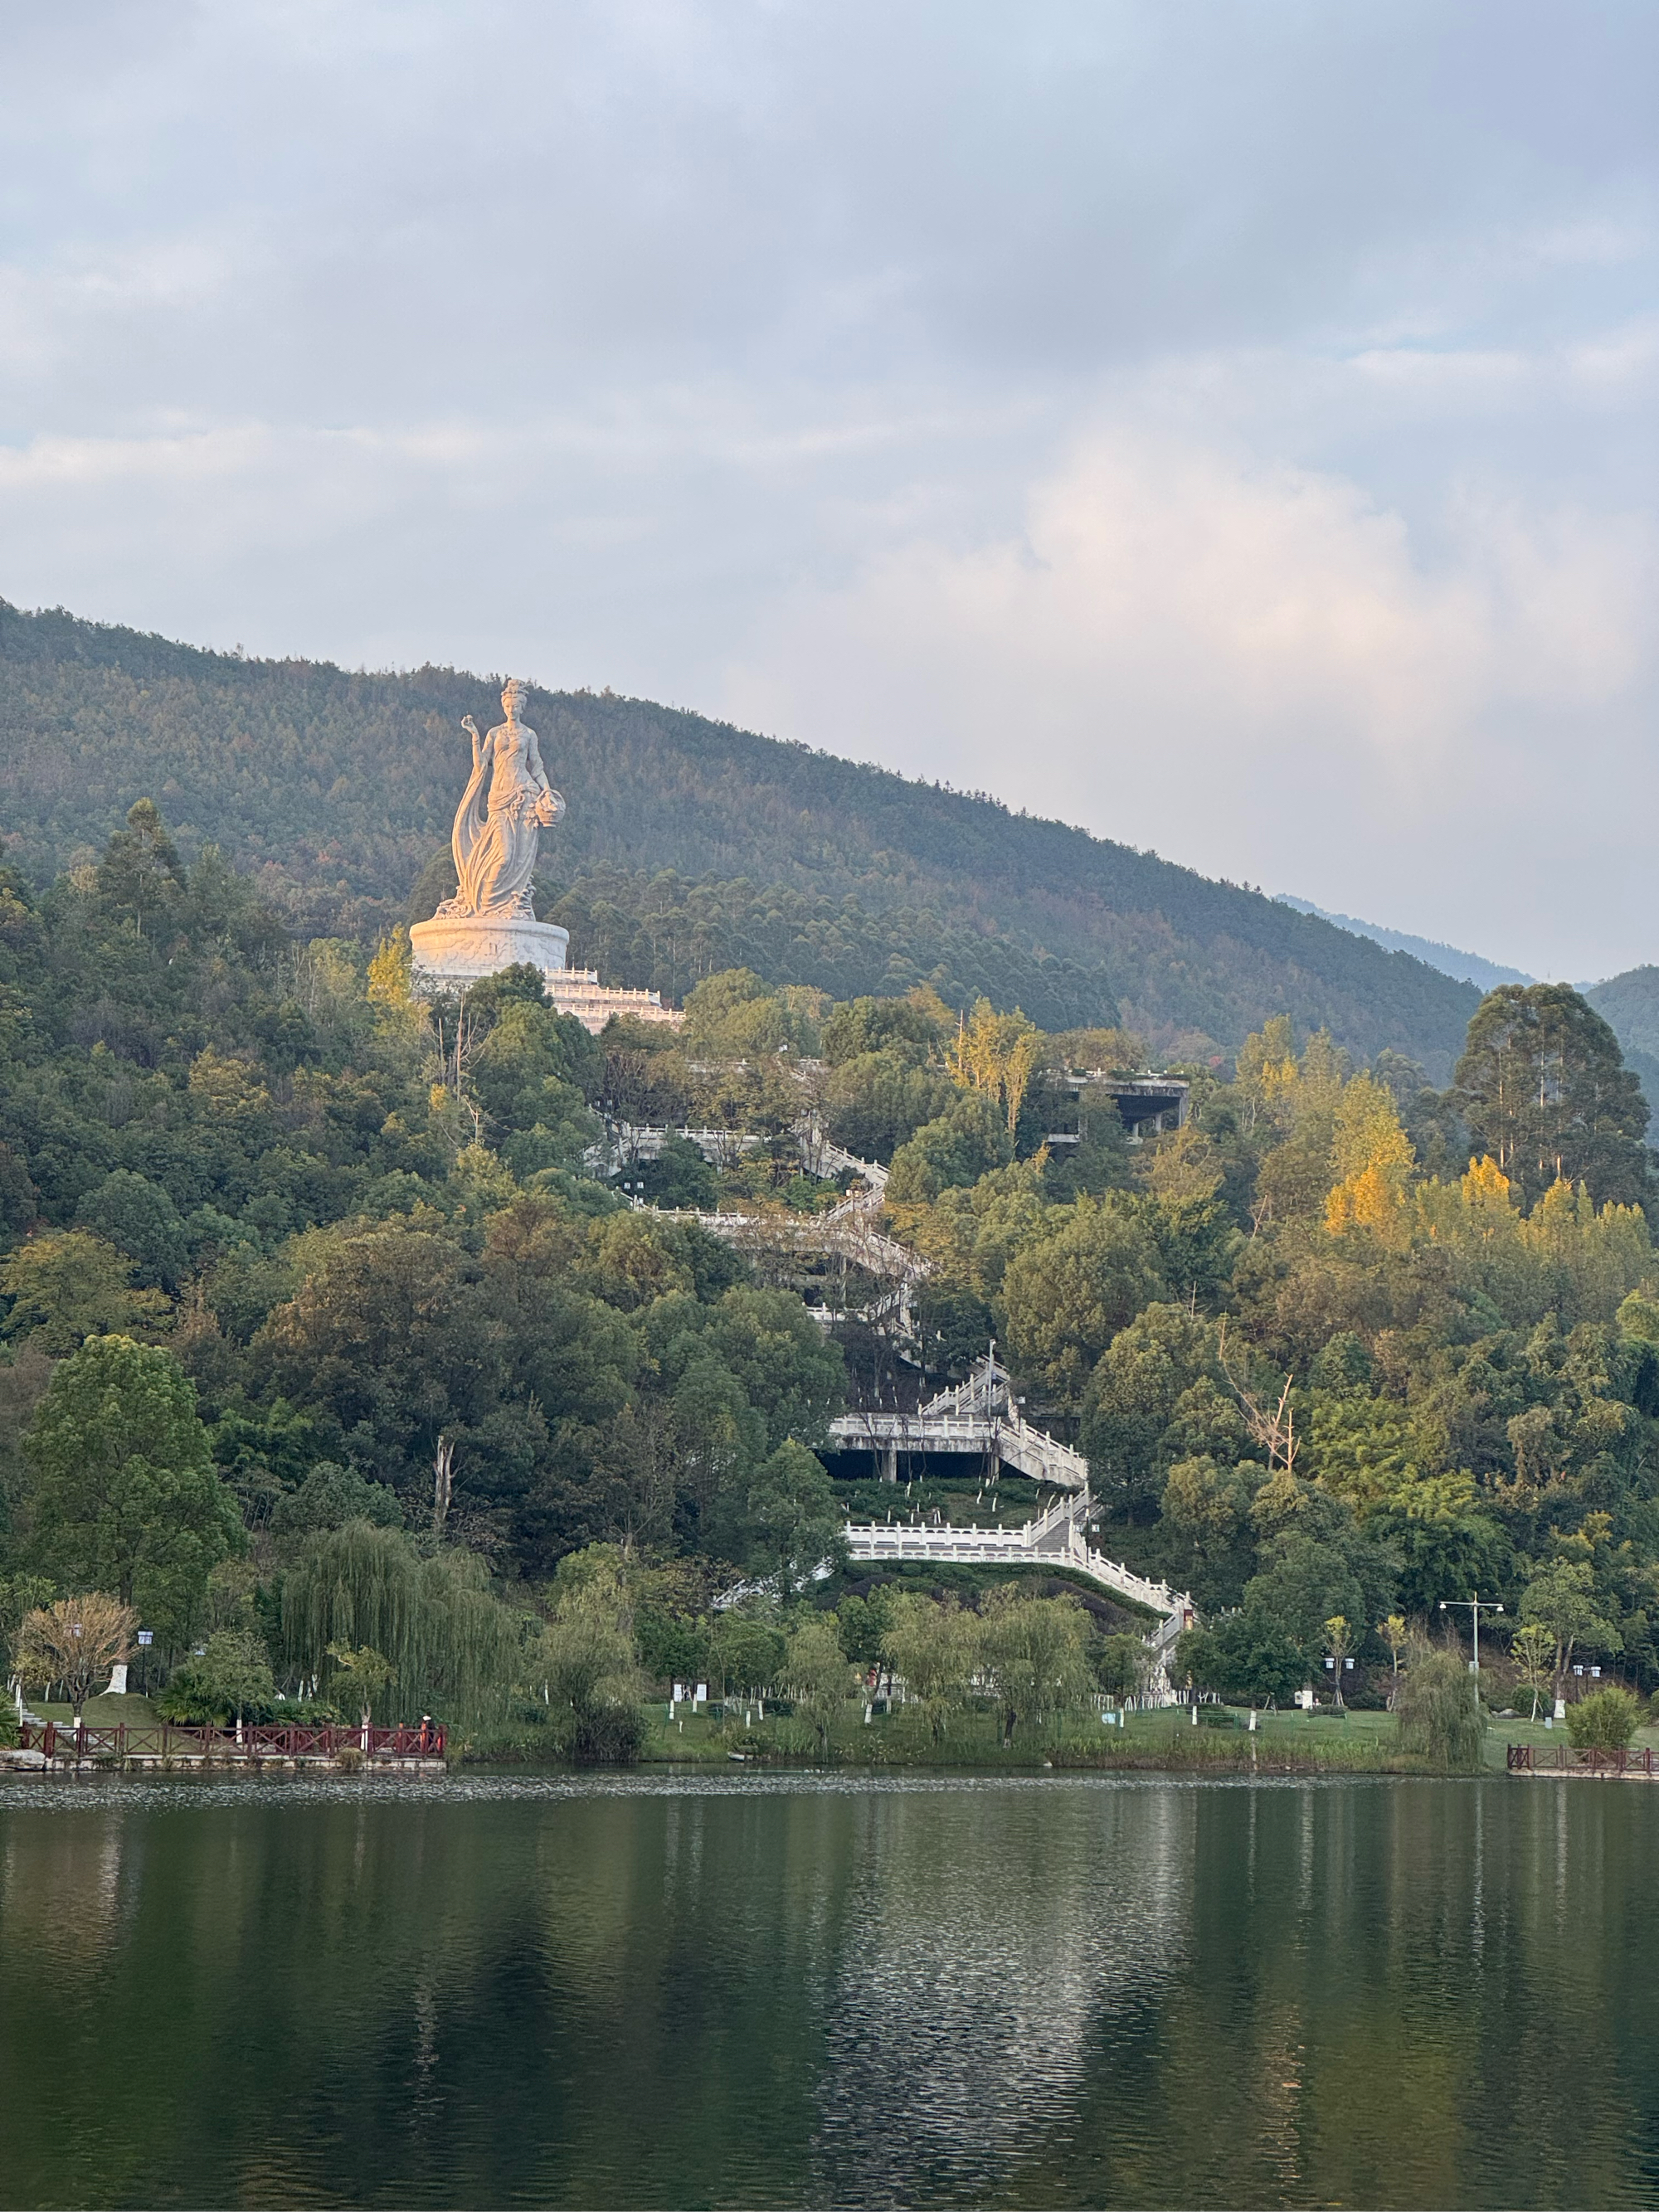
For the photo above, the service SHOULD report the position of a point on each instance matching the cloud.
(1230, 429)
(1253, 667)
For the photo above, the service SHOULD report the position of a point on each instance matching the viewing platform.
(978, 1417)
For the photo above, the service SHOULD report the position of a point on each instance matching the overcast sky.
(1227, 426)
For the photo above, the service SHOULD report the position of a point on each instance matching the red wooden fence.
(269, 1740)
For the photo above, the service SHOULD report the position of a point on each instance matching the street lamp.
(1476, 1605)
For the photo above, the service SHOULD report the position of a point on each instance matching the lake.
(640, 1990)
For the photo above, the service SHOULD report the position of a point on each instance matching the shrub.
(1439, 1711)
(610, 1736)
(231, 1678)
(1604, 1721)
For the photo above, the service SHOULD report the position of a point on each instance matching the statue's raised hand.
(471, 729)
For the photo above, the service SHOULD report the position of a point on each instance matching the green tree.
(934, 1646)
(1121, 1664)
(127, 1495)
(457, 1649)
(1544, 1088)
(816, 1676)
(1533, 1649)
(958, 1146)
(746, 1651)
(360, 1677)
(230, 1680)
(69, 1285)
(1246, 1656)
(138, 1217)
(1438, 1715)
(877, 1102)
(1562, 1597)
(1302, 1583)
(586, 1662)
(1157, 1396)
(1604, 1721)
(913, 1028)
(1035, 1651)
(1067, 1296)
(139, 877)
(864, 1622)
(792, 1523)
(1206, 1504)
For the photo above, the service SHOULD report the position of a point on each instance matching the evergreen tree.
(1544, 1089)
(128, 1497)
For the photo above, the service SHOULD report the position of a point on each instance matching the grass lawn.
(1520, 1731)
(102, 1712)
(1362, 1742)
(974, 1739)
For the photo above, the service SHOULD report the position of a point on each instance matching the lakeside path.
(1160, 1740)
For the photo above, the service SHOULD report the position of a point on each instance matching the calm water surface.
(815, 1992)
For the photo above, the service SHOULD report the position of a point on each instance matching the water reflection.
(823, 1990)
(986, 1941)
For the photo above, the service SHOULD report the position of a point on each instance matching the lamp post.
(1477, 1605)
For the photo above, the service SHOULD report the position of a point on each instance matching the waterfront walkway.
(48, 1743)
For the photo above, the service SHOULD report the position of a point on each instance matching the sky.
(1229, 427)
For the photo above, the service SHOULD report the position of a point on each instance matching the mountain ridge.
(336, 788)
(1463, 967)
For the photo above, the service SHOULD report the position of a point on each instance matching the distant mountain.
(1467, 967)
(1629, 1005)
(687, 841)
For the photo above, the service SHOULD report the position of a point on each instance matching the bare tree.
(1274, 1428)
(443, 1481)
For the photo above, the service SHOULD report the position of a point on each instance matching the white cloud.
(1251, 668)
(1232, 429)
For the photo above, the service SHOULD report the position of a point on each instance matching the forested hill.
(689, 845)
(1629, 1005)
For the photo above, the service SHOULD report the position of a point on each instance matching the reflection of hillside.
(798, 1990)
(988, 1932)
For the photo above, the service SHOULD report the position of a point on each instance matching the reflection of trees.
(628, 1992)
(1414, 1993)
(990, 1930)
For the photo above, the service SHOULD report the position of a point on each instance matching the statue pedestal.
(453, 950)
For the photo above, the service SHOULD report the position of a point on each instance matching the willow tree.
(452, 1646)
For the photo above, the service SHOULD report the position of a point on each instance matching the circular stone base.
(453, 951)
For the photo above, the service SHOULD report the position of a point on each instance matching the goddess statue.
(496, 830)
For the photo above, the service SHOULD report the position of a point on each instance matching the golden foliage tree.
(997, 1054)
(75, 1642)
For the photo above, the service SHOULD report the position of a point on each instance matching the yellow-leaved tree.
(997, 1054)
(1373, 1160)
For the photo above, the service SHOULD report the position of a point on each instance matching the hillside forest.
(341, 1351)
(689, 847)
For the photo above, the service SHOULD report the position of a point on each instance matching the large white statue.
(490, 923)
(506, 803)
